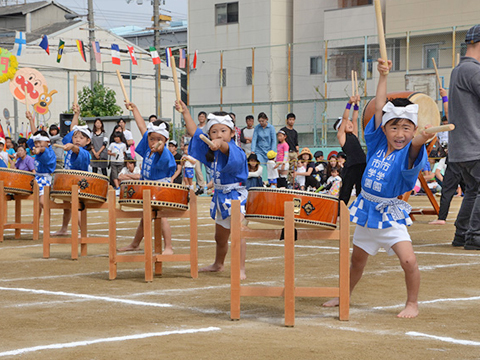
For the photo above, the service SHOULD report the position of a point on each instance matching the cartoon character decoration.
(31, 84)
(41, 107)
(8, 65)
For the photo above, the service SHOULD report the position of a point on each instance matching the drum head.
(427, 110)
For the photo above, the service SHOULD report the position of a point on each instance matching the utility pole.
(91, 39)
(158, 73)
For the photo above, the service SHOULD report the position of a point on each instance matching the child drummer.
(394, 159)
(230, 172)
(45, 158)
(158, 165)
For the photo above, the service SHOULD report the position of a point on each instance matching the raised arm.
(341, 137)
(381, 90)
(138, 118)
(444, 95)
(76, 116)
(29, 116)
(189, 123)
(355, 115)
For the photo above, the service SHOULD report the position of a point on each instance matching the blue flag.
(44, 44)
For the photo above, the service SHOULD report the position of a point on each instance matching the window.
(316, 65)
(248, 73)
(430, 51)
(352, 3)
(222, 79)
(226, 13)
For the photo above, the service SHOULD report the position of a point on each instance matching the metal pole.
(131, 80)
(289, 76)
(315, 124)
(188, 79)
(365, 68)
(408, 53)
(91, 39)
(326, 68)
(253, 80)
(68, 89)
(221, 80)
(158, 71)
(453, 45)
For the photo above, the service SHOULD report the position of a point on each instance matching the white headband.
(84, 130)
(218, 119)
(338, 124)
(40, 137)
(160, 129)
(409, 112)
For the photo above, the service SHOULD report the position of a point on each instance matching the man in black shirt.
(292, 141)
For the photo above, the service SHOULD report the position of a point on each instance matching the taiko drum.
(311, 210)
(163, 195)
(17, 181)
(92, 188)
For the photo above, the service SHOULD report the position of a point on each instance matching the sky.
(115, 13)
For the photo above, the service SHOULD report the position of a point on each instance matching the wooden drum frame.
(311, 210)
(428, 112)
(93, 188)
(163, 195)
(17, 181)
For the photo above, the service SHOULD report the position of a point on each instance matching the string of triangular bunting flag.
(21, 44)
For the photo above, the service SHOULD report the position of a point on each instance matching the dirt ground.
(62, 309)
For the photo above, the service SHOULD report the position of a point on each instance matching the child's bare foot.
(437, 222)
(211, 268)
(332, 303)
(410, 311)
(167, 251)
(60, 233)
(243, 276)
(129, 248)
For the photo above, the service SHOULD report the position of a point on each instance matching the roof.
(30, 7)
(8, 37)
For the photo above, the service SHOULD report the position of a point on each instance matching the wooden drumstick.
(381, 34)
(59, 146)
(175, 81)
(436, 129)
(26, 97)
(123, 90)
(436, 72)
(206, 140)
(353, 84)
(75, 100)
(356, 86)
(157, 145)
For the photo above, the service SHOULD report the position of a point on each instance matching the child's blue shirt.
(74, 161)
(158, 166)
(229, 174)
(384, 179)
(46, 161)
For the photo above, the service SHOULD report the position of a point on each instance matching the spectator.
(11, 148)
(310, 180)
(98, 151)
(246, 135)
(56, 138)
(128, 137)
(117, 150)
(177, 177)
(131, 171)
(320, 171)
(238, 132)
(292, 141)
(201, 181)
(272, 172)
(282, 159)
(254, 172)
(3, 154)
(188, 167)
(24, 162)
(264, 138)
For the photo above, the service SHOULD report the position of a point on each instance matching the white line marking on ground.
(444, 338)
(473, 298)
(105, 340)
(85, 296)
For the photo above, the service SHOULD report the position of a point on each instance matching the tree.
(98, 102)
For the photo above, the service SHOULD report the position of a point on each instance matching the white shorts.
(371, 240)
(222, 222)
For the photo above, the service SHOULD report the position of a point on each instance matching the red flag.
(195, 59)
(2, 134)
(131, 51)
(115, 54)
(81, 50)
(154, 54)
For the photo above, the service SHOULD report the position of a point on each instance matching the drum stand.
(149, 257)
(75, 205)
(289, 291)
(18, 225)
